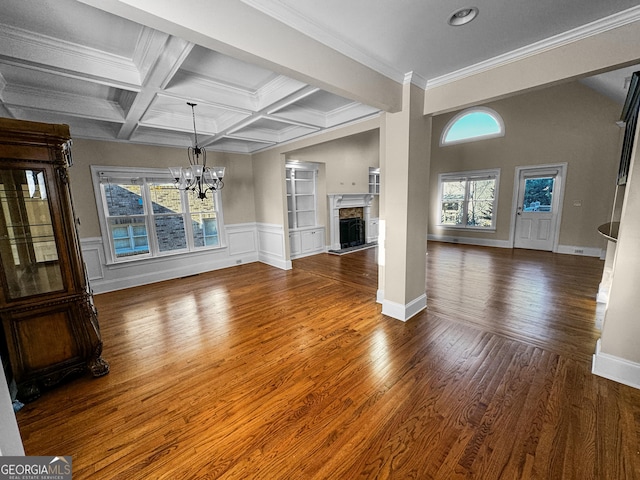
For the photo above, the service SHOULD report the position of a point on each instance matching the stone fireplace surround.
(346, 200)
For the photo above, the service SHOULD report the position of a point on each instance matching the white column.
(405, 185)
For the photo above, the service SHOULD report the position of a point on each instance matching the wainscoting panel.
(271, 246)
(93, 255)
(242, 238)
(240, 248)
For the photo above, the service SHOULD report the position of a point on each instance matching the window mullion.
(186, 215)
(465, 204)
(149, 218)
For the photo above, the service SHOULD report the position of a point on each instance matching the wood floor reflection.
(254, 372)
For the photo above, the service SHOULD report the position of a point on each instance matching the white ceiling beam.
(53, 55)
(166, 64)
(236, 29)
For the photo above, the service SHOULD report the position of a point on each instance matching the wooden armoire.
(50, 328)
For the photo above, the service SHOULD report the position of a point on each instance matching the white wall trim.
(576, 250)
(271, 246)
(243, 246)
(404, 312)
(487, 242)
(93, 255)
(483, 242)
(615, 368)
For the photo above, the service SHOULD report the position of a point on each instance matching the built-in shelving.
(306, 237)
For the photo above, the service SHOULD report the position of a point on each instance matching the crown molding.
(591, 29)
(415, 79)
(292, 18)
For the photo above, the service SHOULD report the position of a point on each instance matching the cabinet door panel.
(43, 337)
(295, 246)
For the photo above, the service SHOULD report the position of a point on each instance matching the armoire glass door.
(28, 249)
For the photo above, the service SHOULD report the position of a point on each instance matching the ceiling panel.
(226, 70)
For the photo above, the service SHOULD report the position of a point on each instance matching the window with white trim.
(143, 215)
(477, 123)
(469, 199)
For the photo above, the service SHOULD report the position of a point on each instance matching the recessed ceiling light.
(463, 16)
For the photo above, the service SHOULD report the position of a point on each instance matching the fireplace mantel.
(346, 200)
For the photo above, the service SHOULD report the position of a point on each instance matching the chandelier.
(197, 177)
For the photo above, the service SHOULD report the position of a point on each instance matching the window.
(469, 199)
(476, 123)
(143, 215)
(301, 194)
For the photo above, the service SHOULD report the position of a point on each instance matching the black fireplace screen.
(351, 232)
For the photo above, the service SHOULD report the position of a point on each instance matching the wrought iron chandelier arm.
(197, 177)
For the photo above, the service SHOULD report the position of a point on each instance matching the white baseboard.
(404, 312)
(584, 251)
(482, 242)
(615, 368)
(487, 242)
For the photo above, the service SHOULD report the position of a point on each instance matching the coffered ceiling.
(109, 78)
(63, 61)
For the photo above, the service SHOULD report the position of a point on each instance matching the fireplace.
(352, 227)
(349, 214)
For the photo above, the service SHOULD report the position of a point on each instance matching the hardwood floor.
(257, 373)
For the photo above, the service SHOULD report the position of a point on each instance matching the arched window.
(477, 123)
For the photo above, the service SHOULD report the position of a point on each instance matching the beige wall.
(237, 195)
(347, 161)
(270, 188)
(566, 123)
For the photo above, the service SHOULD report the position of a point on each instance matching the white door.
(537, 208)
